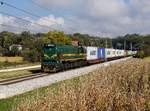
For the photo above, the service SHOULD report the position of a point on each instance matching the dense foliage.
(56, 37)
(139, 42)
(32, 42)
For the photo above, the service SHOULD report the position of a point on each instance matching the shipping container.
(92, 53)
(129, 52)
(101, 53)
(123, 53)
(117, 53)
(113, 53)
(120, 53)
(110, 53)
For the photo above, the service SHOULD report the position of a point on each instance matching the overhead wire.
(45, 8)
(16, 27)
(25, 20)
(31, 14)
(27, 12)
(48, 10)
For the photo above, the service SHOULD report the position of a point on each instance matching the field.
(120, 87)
(11, 59)
(147, 59)
(14, 62)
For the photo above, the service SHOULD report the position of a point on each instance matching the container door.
(101, 53)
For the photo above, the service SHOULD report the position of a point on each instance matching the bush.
(15, 52)
(140, 54)
(147, 50)
(31, 55)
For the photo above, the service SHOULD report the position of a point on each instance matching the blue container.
(101, 53)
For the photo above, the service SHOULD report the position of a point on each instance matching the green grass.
(8, 64)
(10, 103)
(5, 75)
(4, 65)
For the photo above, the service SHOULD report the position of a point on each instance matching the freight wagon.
(62, 57)
(95, 55)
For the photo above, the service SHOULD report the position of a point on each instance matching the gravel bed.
(29, 85)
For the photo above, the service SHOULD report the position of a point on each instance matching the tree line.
(32, 43)
(135, 41)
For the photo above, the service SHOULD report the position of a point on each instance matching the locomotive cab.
(49, 58)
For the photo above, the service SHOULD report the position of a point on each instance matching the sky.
(107, 18)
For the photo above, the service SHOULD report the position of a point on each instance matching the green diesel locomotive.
(61, 57)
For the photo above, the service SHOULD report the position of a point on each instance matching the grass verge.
(9, 65)
(147, 59)
(6, 75)
(13, 62)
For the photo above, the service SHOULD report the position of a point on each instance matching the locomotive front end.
(49, 58)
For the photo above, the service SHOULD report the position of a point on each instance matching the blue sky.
(95, 17)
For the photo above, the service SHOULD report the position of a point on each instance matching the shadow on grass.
(34, 71)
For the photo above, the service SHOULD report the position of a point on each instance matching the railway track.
(25, 78)
(15, 86)
(21, 79)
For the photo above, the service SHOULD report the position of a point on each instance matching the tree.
(15, 51)
(56, 37)
(7, 39)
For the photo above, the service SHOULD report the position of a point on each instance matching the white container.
(129, 52)
(117, 53)
(123, 53)
(110, 53)
(120, 53)
(92, 53)
(113, 53)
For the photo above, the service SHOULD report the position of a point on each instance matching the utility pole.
(131, 46)
(124, 44)
(106, 44)
(124, 47)
(106, 52)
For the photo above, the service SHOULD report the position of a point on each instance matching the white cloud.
(106, 8)
(50, 20)
(6, 20)
(96, 17)
(43, 24)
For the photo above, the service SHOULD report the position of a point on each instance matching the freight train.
(61, 57)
